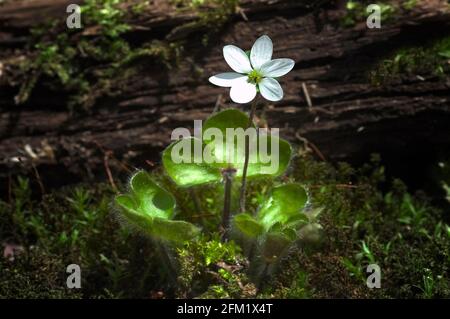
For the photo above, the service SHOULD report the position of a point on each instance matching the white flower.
(253, 74)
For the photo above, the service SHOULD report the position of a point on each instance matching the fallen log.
(348, 118)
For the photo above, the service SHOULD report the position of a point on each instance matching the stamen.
(255, 77)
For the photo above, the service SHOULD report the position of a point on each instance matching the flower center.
(255, 77)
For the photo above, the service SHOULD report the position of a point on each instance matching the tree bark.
(349, 118)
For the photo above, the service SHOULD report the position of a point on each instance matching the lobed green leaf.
(151, 208)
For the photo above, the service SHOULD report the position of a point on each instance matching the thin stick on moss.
(39, 180)
(247, 158)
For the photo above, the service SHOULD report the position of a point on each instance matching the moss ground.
(404, 233)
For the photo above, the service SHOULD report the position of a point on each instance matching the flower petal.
(237, 59)
(271, 90)
(226, 79)
(261, 51)
(277, 67)
(242, 91)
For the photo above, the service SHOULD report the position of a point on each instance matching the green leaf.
(290, 233)
(226, 119)
(151, 208)
(259, 168)
(284, 204)
(311, 233)
(128, 205)
(174, 230)
(220, 133)
(297, 220)
(445, 54)
(151, 199)
(248, 225)
(274, 246)
(191, 161)
(185, 168)
(230, 150)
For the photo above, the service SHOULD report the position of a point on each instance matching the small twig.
(150, 163)
(108, 170)
(109, 154)
(311, 145)
(306, 93)
(80, 47)
(218, 104)
(122, 164)
(242, 13)
(317, 151)
(38, 178)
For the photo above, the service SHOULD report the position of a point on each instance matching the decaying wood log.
(348, 120)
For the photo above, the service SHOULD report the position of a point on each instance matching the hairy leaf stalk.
(228, 175)
(247, 158)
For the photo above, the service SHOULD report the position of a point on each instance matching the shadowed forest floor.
(366, 111)
(366, 219)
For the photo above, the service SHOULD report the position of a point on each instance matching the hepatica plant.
(255, 71)
(229, 147)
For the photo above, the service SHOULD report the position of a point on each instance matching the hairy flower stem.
(228, 175)
(247, 158)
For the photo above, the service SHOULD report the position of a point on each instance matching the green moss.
(214, 20)
(107, 15)
(403, 233)
(356, 11)
(168, 54)
(84, 67)
(74, 225)
(58, 61)
(431, 59)
(294, 284)
(140, 7)
(212, 16)
(39, 275)
(409, 4)
(210, 268)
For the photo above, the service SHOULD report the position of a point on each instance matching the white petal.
(242, 91)
(237, 59)
(277, 67)
(261, 51)
(271, 90)
(226, 79)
